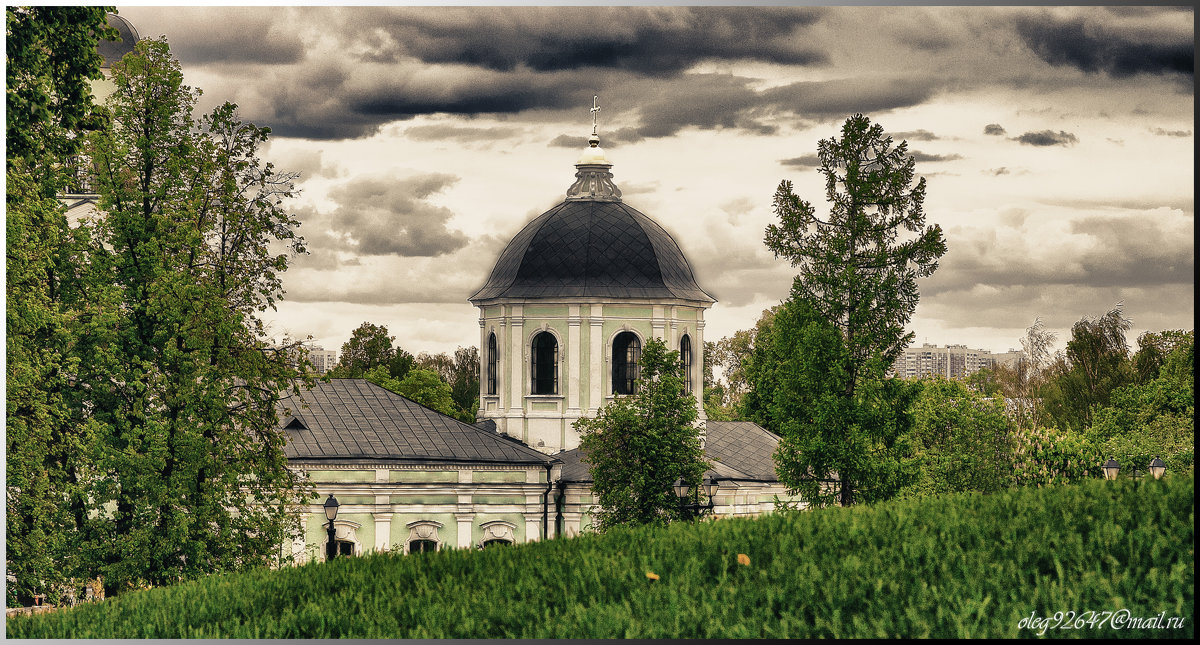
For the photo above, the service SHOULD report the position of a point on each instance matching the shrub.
(962, 565)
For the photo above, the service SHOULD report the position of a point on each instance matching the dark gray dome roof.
(584, 248)
(113, 51)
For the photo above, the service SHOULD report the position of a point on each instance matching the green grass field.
(956, 566)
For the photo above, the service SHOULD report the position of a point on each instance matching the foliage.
(1155, 347)
(1096, 363)
(1045, 456)
(422, 386)
(799, 373)
(639, 444)
(184, 384)
(855, 268)
(963, 440)
(369, 346)
(1155, 418)
(461, 372)
(959, 566)
(858, 272)
(51, 54)
(730, 353)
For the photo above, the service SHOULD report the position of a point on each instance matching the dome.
(114, 50)
(592, 248)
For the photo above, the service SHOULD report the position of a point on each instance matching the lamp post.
(1157, 467)
(695, 508)
(1111, 468)
(331, 506)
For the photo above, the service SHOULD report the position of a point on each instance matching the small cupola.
(593, 181)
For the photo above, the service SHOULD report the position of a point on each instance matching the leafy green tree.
(1096, 362)
(369, 347)
(639, 444)
(1155, 418)
(1154, 348)
(730, 353)
(185, 384)
(428, 389)
(798, 375)
(400, 364)
(963, 440)
(50, 57)
(464, 386)
(858, 271)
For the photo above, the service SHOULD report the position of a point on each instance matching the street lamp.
(1157, 467)
(696, 508)
(1111, 468)
(331, 506)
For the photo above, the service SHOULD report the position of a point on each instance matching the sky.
(1057, 144)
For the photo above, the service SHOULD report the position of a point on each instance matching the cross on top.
(595, 113)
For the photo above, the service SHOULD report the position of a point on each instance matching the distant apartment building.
(951, 361)
(322, 359)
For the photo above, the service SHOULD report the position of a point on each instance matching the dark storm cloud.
(1093, 46)
(650, 41)
(805, 161)
(1129, 251)
(1172, 133)
(837, 99)
(926, 157)
(1047, 138)
(387, 216)
(914, 135)
(994, 129)
(236, 35)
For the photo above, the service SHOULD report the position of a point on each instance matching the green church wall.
(497, 499)
(448, 533)
(418, 476)
(516, 519)
(341, 475)
(423, 499)
(499, 476)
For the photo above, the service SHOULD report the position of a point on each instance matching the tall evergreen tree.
(185, 381)
(50, 57)
(858, 267)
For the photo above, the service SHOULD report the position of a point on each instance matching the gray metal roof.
(584, 248)
(739, 451)
(743, 445)
(355, 420)
(112, 51)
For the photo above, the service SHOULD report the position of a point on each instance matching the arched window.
(627, 352)
(493, 358)
(544, 362)
(685, 360)
(422, 546)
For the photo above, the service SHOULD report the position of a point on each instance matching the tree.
(855, 270)
(464, 386)
(798, 375)
(639, 444)
(1154, 348)
(1155, 418)
(369, 347)
(963, 440)
(184, 384)
(1096, 362)
(730, 353)
(51, 55)
(419, 385)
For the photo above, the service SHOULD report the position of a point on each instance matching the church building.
(569, 305)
